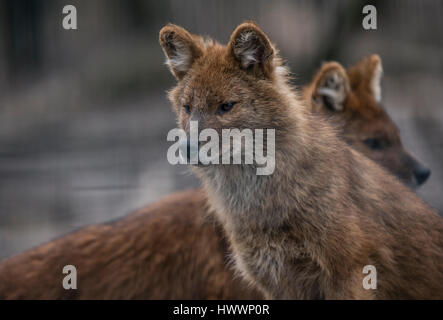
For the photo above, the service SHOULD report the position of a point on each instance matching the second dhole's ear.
(252, 49)
(366, 75)
(330, 87)
(376, 73)
(181, 49)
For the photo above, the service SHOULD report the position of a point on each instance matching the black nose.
(421, 174)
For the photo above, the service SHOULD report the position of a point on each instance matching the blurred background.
(84, 115)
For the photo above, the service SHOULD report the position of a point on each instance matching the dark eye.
(225, 107)
(187, 108)
(374, 143)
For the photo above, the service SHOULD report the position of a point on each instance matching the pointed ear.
(375, 70)
(330, 87)
(367, 73)
(252, 49)
(181, 49)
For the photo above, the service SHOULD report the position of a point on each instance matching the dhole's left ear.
(375, 72)
(252, 49)
(181, 49)
(330, 87)
(366, 74)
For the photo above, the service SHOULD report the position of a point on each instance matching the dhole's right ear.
(330, 87)
(181, 49)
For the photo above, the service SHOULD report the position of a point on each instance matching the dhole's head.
(225, 87)
(352, 97)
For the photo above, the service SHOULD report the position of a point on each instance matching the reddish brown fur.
(169, 250)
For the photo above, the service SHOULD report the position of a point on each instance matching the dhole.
(352, 99)
(180, 253)
(169, 250)
(309, 229)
